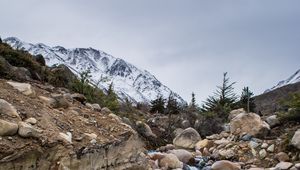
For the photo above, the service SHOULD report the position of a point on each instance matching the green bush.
(20, 58)
(292, 105)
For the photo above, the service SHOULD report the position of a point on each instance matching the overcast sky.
(186, 44)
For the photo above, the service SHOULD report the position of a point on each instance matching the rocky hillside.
(43, 127)
(269, 102)
(129, 81)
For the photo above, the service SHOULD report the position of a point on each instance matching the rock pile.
(246, 146)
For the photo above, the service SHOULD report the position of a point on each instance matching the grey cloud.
(185, 44)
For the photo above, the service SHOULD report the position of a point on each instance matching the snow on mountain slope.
(291, 80)
(129, 81)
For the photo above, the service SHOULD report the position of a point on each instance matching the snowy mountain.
(291, 80)
(129, 81)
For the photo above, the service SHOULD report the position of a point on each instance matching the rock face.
(8, 128)
(249, 123)
(296, 139)
(225, 165)
(187, 138)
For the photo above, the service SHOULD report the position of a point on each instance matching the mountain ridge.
(130, 82)
(295, 78)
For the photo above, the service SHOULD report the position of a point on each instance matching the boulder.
(273, 121)
(27, 130)
(144, 129)
(8, 71)
(284, 165)
(282, 157)
(177, 131)
(61, 101)
(8, 128)
(262, 153)
(66, 136)
(296, 139)
(185, 124)
(249, 123)
(115, 117)
(264, 146)
(205, 143)
(91, 135)
(24, 88)
(31, 120)
(187, 139)
(235, 112)
(170, 161)
(225, 165)
(8, 109)
(105, 110)
(183, 155)
(48, 101)
(226, 153)
(79, 97)
(271, 148)
(96, 107)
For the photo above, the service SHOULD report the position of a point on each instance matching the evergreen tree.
(112, 99)
(223, 99)
(158, 105)
(246, 100)
(0, 40)
(172, 105)
(193, 106)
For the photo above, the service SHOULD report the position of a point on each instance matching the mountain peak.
(129, 81)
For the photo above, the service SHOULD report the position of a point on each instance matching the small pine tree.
(172, 105)
(247, 100)
(112, 99)
(0, 40)
(193, 106)
(158, 105)
(223, 99)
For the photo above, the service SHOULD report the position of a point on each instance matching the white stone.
(271, 148)
(31, 120)
(24, 88)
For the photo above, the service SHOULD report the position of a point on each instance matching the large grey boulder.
(249, 123)
(8, 128)
(296, 139)
(187, 139)
(272, 120)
